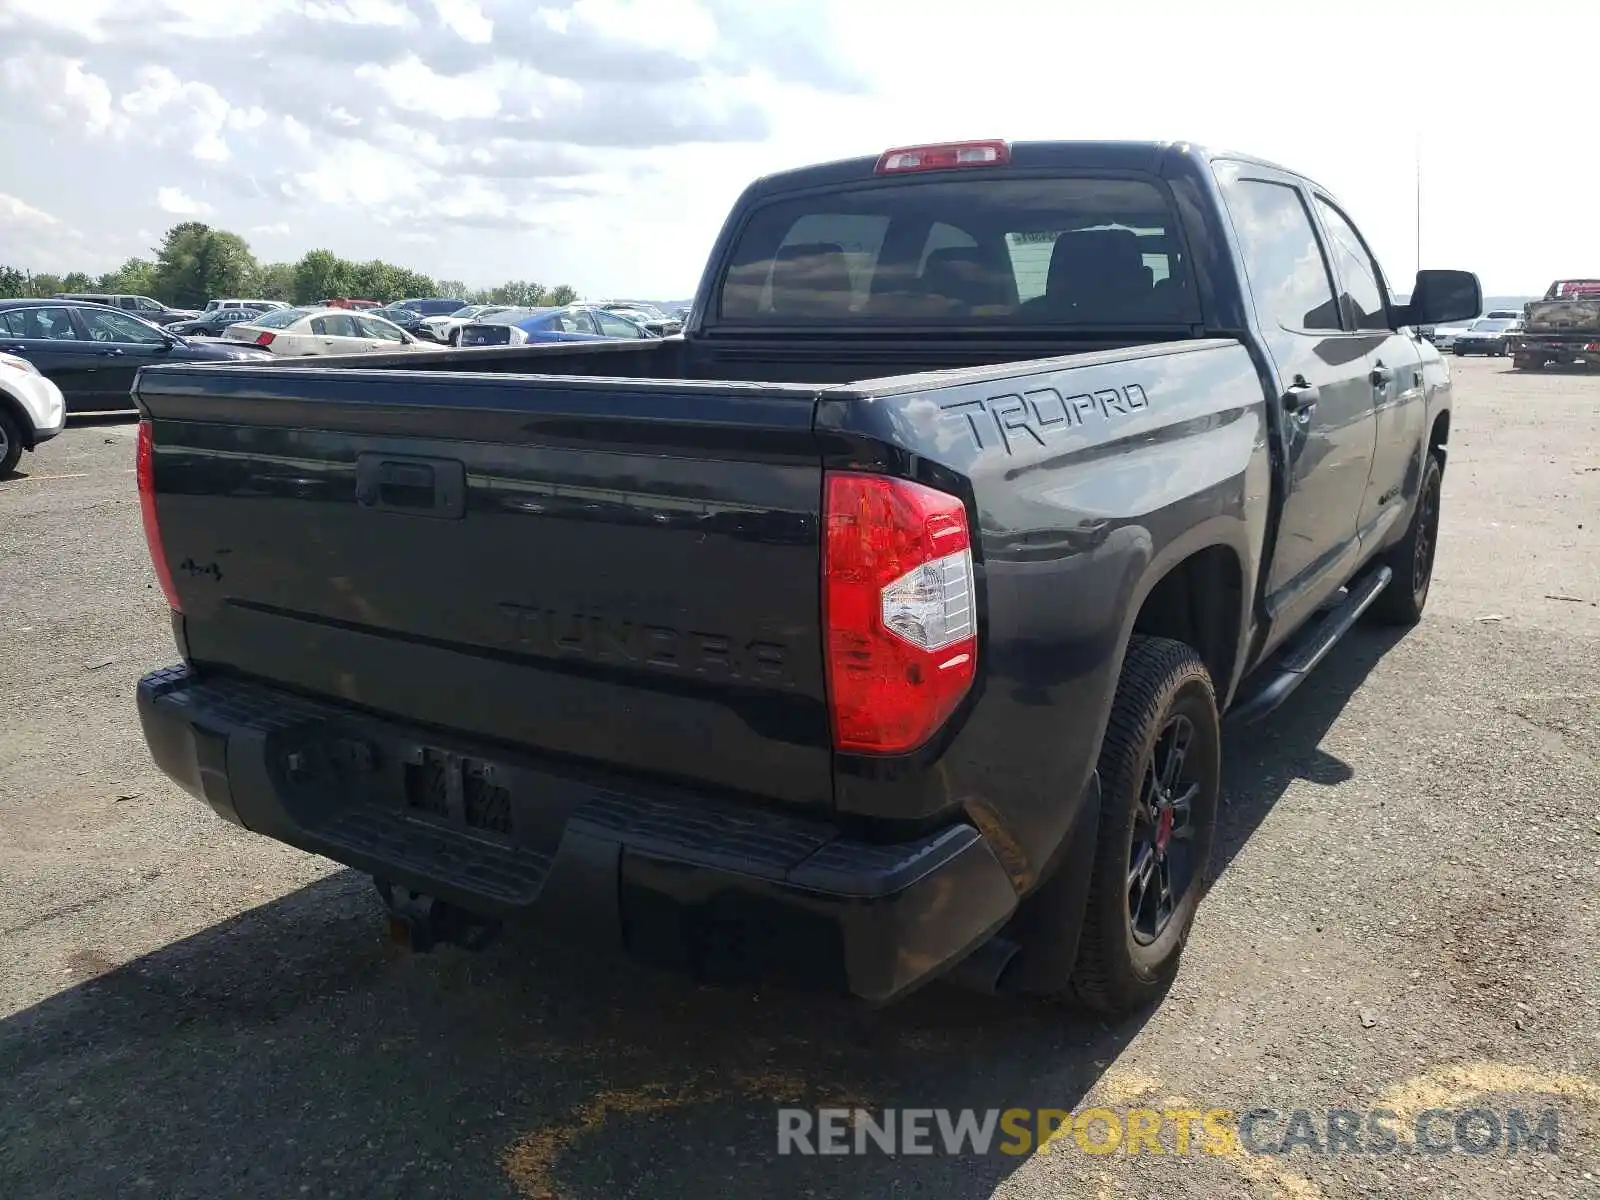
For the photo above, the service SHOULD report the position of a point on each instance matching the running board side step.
(1305, 654)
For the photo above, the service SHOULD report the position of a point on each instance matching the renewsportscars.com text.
(1179, 1131)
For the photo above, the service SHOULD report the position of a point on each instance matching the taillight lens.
(145, 470)
(265, 339)
(902, 646)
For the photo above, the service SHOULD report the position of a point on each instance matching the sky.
(601, 142)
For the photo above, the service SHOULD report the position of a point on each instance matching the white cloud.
(64, 92)
(415, 87)
(179, 203)
(278, 229)
(466, 20)
(32, 239)
(601, 141)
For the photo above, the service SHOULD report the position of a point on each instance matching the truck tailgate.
(617, 573)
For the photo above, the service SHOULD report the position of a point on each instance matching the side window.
(615, 326)
(334, 325)
(1363, 295)
(379, 329)
(1283, 260)
(114, 327)
(54, 324)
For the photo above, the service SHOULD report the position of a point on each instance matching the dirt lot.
(1404, 916)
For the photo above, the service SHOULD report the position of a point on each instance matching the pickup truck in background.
(877, 629)
(1564, 327)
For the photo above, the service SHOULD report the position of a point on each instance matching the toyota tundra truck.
(874, 630)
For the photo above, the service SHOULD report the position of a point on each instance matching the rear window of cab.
(1091, 251)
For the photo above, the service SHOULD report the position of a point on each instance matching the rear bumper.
(1557, 349)
(727, 891)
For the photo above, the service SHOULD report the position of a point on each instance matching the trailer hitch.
(420, 922)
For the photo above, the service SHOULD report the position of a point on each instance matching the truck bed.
(461, 627)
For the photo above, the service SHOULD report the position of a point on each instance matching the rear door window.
(970, 251)
(39, 324)
(335, 325)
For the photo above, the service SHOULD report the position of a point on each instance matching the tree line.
(196, 263)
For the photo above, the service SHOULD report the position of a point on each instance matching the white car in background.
(257, 305)
(1444, 336)
(32, 410)
(447, 329)
(292, 332)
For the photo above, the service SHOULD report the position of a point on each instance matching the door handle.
(1381, 376)
(1300, 399)
(110, 353)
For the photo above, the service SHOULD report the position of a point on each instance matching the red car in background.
(344, 302)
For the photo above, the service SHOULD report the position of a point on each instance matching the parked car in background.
(1487, 335)
(1503, 314)
(32, 410)
(346, 302)
(1563, 327)
(407, 318)
(296, 332)
(142, 307)
(1444, 336)
(430, 306)
(572, 323)
(447, 328)
(92, 352)
(256, 305)
(211, 324)
(653, 319)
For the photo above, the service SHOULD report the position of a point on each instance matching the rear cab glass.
(989, 250)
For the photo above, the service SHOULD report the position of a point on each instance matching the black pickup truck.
(875, 629)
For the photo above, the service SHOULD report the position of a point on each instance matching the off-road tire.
(1526, 362)
(1402, 602)
(1161, 680)
(10, 444)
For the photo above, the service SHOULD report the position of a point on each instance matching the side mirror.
(1440, 296)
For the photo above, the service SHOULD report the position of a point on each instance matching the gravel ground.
(1404, 916)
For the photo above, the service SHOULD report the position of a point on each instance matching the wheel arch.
(12, 407)
(1198, 591)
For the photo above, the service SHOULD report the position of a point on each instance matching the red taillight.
(900, 629)
(265, 339)
(943, 156)
(145, 470)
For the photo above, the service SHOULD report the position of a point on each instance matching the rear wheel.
(10, 443)
(1160, 781)
(1411, 559)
